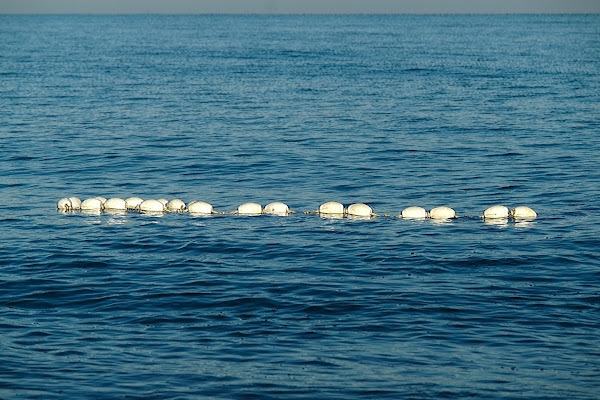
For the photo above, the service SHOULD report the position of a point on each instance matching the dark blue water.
(393, 111)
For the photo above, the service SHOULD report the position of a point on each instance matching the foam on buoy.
(64, 204)
(442, 212)
(359, 210)
(152, 206)
(133, 203)
(250, 209)
(176, 205)
(495, 212)
(414, 213)
(277, 208)
(115, 204)
(92, 204)
(200, 207)
(331, 207)
(75, 203)
(523, 212)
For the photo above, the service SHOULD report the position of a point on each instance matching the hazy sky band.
(296, 6)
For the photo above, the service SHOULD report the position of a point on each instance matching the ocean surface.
(392, 111)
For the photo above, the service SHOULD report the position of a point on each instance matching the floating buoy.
(163, 201)
(496, 212)
(64, 204)
(115, 204)
(250, 209)
(75, 203)
(102, 199)
(442, 212)
(200, 207)
(359, 210)
(331, 207)
(414, 213)
(176, 205)
(152, 206)
(277, 208)
(523, 212)
(92, 204)
(133, 203)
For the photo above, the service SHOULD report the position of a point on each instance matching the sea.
(465, 111)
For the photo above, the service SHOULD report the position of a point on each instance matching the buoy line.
(331, 209)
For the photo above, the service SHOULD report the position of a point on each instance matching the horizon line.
(298, 13)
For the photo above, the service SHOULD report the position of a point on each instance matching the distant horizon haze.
(299, 7)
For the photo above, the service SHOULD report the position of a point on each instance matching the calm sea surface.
(392, 111)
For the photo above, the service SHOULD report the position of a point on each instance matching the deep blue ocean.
(467, 111)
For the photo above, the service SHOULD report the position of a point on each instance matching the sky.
(296, 6)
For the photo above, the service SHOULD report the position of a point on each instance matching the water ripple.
(392, 111)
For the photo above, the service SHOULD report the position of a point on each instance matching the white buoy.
(277, 208)
(64, 204)
(250, 208)
(102, 199)
(200, 207)
(442, 212)
(91, 204)
(163, 201)
(152, 206)
(495, 212)
(523, 212)
(414, 212)
(75, 203)
(331, 207)
(133, 203)
(176, 205)
(115, 204)
(359, 210)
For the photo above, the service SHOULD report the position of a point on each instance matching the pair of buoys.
(155, 206)
(69, 204)
(333, 208)
(500, 212)
(415, 212)
(275, 208)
